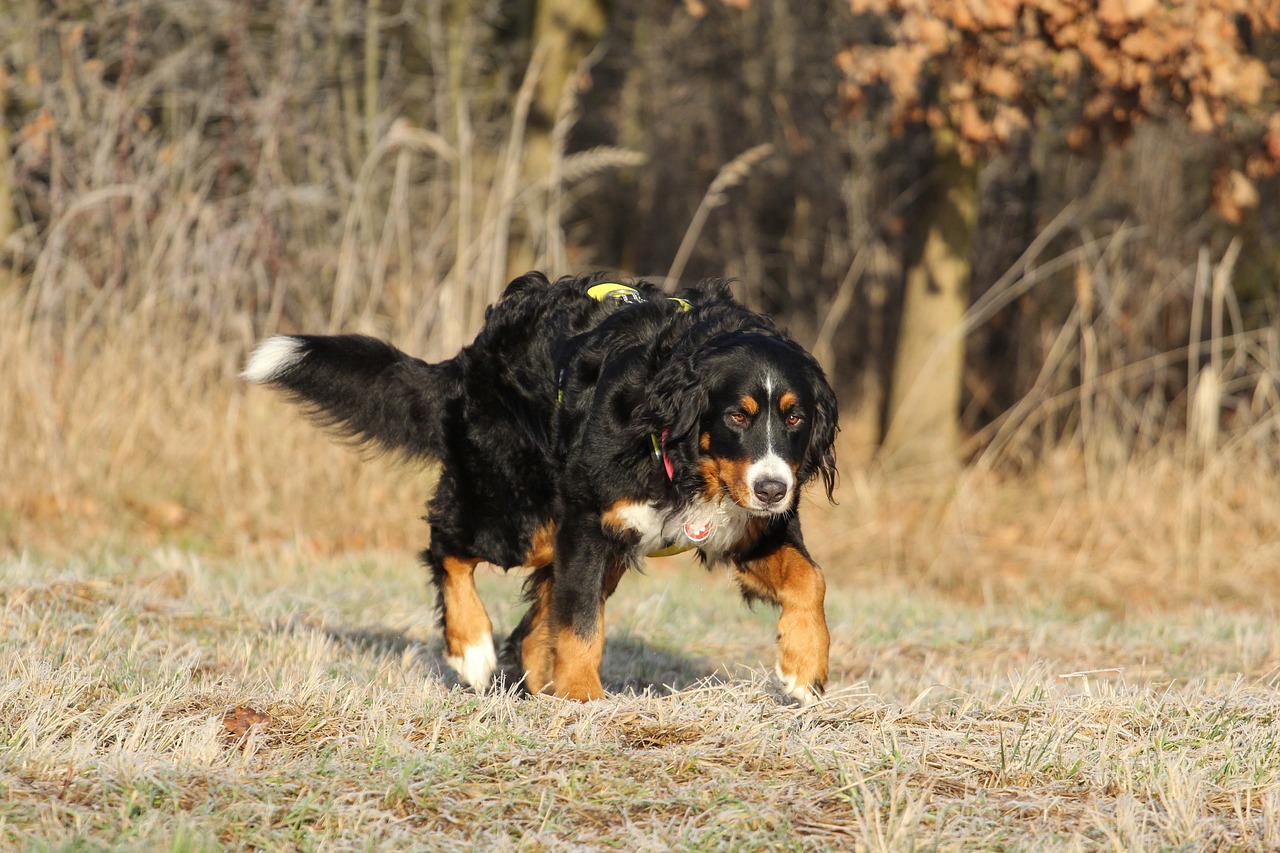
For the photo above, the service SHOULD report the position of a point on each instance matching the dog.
(590, 424)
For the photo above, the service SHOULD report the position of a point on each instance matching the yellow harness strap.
(672, 550)
(612, 291)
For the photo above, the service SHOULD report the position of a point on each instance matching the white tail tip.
(272, 358)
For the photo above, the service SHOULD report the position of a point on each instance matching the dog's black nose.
(770, 491)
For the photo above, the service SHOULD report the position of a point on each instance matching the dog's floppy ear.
(820, 457)
(676, 400)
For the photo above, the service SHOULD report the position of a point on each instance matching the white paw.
(475, 666)
(803, 693)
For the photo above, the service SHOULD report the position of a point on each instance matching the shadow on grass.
(630, 665)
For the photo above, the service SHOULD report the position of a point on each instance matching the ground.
(165, 699)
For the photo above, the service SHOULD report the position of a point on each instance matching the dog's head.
(748, 415)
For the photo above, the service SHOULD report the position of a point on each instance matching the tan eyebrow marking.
(749, 405)
(787, 401)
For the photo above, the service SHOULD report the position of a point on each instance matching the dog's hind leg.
(529, 645)
(528, 650)
(468, 632)
(540, 654)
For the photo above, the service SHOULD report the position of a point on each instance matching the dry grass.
(1146, 536)
(949, 725)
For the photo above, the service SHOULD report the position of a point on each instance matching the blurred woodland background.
(1012, 230)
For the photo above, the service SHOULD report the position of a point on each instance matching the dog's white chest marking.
(712, 526)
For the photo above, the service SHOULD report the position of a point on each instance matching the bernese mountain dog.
(590, 424)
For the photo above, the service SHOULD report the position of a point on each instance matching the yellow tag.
(683, 303)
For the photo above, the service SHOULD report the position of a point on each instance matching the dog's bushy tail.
(362, 388)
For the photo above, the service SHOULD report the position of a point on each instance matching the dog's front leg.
(586, 573)
(788, 577)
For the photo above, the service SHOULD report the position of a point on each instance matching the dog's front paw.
(476, 664)
(806, 691)
(580, 684)
(580, 693)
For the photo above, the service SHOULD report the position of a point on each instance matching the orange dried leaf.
(1273, 136)
(1136, 10)
(1002, 82)
(1069, 64)
(1261, 166)
(1243, 192)
(933, 33)
(1264, 16)
(869, 7)
(1079, 138)
(1223, 203)
(1111, 13)
(1251, 81)
(1008, 121)
(39, 126)
(972, 126)
(242, 718)
(1117, 14)
(1199, 116)
(1146, 43)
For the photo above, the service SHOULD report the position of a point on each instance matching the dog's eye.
(738, 418)
(794, 420)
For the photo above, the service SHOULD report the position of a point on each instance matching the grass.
(950, 724)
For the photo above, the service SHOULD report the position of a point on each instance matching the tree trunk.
(568, 30)
(924, 399)
(8, 216)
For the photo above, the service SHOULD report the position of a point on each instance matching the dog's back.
(489, 414)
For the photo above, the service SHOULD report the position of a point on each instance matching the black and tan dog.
(590, 424)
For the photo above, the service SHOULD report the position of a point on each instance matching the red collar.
(660, 452)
